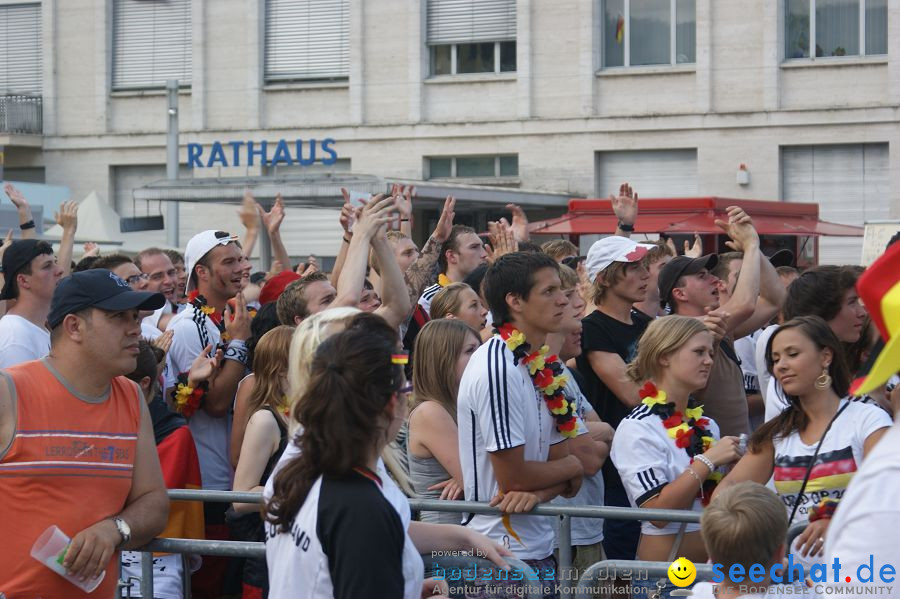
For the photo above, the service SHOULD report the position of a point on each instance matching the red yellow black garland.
(689, 434)
(546, 373)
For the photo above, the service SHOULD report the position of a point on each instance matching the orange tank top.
(70, 464)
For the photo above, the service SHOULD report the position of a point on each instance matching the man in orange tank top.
(76, 443)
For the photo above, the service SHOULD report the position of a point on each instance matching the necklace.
(546, 372)
(689, 431)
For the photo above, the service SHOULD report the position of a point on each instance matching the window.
(20, 49)
(472, 167)
(834, 28)
(653, 173)
(471, 36)
(648, 32)
(850, 183)
(151, 43)
(307, 40)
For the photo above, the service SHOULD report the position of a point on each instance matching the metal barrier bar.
(621, 568)
(473, 507)
(219, 548)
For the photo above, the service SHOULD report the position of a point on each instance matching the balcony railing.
(21, 114)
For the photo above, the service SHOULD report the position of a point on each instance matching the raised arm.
(397, 305)
(771, 296)
(347, 220)
(249, 214)
(742, 303)
(272, 221)
(23, 210)
(67, 218)
(420, 273)
(625, 207)
(373, 218)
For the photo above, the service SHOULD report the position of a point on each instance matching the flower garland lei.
(188, 399)
(688, 430)
(546, 373)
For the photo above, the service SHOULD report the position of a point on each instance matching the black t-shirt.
(606, 334)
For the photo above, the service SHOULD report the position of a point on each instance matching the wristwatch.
(123, 529)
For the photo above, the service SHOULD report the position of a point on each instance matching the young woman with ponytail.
(335, 526)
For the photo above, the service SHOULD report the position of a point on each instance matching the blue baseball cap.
(98, 288)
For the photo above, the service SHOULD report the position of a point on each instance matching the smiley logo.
(682, 572)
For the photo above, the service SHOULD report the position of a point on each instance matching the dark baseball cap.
(678, 267)
(782, 258)
(98, 288)
(16, 257)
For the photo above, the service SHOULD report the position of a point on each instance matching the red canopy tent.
(686, 216)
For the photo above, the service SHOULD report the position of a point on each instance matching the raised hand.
(695, 250)
(17, 198)
(740, 229)
(164, 341)
(625, 205)
(275, 216)
(7, 241)
(203, 368)
(375, 215)
(249, 211)
(237, 321)
(519, 222)
(67, 216)
(503, 240)
(445, 222)
(90, 249)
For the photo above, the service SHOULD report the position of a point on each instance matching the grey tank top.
(423, 473)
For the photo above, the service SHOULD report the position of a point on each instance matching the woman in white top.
(814, 447)
(666, 451)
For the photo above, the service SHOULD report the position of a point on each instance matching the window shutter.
(20, 49)
(464, 21)
(307, 39)
(151, 43)
(850, 183)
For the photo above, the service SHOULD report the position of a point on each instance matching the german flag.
(832, 470)
(879, 289)
(181, 470)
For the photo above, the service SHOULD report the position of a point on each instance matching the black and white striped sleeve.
(642, 461)
(499, 407)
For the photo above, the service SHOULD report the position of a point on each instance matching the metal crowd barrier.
(564, 513)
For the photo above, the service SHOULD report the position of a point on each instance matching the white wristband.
(705, 460)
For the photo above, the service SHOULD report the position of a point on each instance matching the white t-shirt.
(836, 463)
(648, 459)
(149, 330)
(868, 510)
(585, 531)
(282, 557)
(762, 371)
(193, 332)
(428, 295)
(167, 574)
(745, 348)
(499, 408)
(21, 341)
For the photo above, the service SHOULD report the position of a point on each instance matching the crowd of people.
(479, 367)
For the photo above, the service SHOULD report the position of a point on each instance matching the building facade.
(567, 97)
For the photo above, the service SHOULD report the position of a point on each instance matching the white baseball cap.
(200, 245)
(613, 249)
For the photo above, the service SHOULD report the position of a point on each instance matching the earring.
(824, 380)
